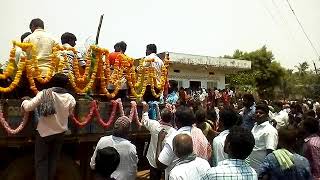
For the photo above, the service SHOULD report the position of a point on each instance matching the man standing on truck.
(157, 64)
(43, 42)
(54, 106)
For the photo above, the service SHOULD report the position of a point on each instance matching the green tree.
(265, 73)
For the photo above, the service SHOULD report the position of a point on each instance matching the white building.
(203, 71)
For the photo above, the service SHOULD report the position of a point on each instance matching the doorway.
(195, 85)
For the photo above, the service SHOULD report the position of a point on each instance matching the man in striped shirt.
(235, 168)
(68, 40)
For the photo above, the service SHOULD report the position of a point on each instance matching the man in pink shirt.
(311, 146)
(54, 105)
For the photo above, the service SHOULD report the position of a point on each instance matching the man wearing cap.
(127, 168)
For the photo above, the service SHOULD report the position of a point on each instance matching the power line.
(315, 50)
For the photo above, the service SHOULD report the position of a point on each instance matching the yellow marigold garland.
(10, 67)
(82, 78)
(17, 77)
(91, 81)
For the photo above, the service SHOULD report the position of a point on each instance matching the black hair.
(152, 48)
(24, 35)
(263, 107)
(36, 23)
(311, 125)
(166, 115)
(122, 46)
(184, 116)
(173, 86)
(200, 115)
(310, 113)
(287, 137)
(60, 80)
(240, 137)
(248, 97)
(212, 114)
(107, 161)
(228, 117)
(67, 37)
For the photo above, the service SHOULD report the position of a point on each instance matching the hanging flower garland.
(120, 106)
(111, 119)
(30, 77)
(10, 68)
(87, 118)
(38, 73)
(76, 72)
(16, 79)
(89, 84)
(134, 113)
(106, 77)
(7, 127)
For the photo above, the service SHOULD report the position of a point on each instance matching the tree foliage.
(265, 73)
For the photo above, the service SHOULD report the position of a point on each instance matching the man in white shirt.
(43, 42)
(155, 127)
(265, 135)
(188, 166)
(157, 64)
(228, 119)
(184, 120)
(127, 168)
(238, 145)
(54, 106)
(280, 115)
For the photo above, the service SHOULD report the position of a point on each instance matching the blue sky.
(204, 27)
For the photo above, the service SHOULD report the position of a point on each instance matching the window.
(176, 70)
(180, 84)
(212, 84)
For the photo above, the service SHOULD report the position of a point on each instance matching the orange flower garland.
(10, 68)
(17, 77)
(92, 78)
(82, 78)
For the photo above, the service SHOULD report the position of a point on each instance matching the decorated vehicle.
(96, 109)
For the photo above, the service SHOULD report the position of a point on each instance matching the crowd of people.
(257, 140)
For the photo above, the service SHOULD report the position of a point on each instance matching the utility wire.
(315, 50)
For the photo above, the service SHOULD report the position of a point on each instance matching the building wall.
(186, 73)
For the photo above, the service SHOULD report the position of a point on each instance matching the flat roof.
(218, 62)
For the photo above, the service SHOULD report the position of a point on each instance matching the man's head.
(278, 106)
(228, 118)
(120, 47)
(166, 115)
(24, 35)
(248, 100)
(239, 143)
(184, 116)
(107, 161)
(151, 48)
(182, 145)
(68, 38)
(310, 126)
(121, 127)
(36, 24)
(200, 115)
(287, 138)
(212, 114)
(60, 80)
(262, 113)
